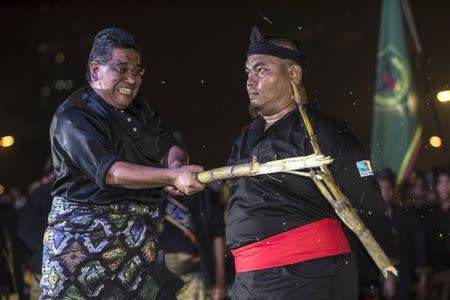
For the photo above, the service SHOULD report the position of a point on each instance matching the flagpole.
(409, 17)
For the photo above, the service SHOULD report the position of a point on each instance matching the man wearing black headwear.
(285, 237)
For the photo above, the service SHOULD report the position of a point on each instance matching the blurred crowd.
(195, 248)
(420, 221)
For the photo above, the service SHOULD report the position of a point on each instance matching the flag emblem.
(393, 83)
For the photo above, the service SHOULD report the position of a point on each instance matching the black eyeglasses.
(136, 72)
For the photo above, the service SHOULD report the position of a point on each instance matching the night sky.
(194, 56)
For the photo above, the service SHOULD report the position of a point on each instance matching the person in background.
(409, 240)
(437, 223)
(33, 222)
(193, 240)
(13, 252)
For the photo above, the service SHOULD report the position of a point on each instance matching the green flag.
(396, 132)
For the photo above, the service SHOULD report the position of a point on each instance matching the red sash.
(318, 239)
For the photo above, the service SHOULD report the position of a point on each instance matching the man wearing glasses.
(111, 159)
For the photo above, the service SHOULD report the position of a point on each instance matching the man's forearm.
(132, 176)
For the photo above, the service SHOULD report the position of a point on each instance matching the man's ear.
(295, 73)
(94, 68)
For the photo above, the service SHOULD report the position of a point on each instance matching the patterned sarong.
(104, 252)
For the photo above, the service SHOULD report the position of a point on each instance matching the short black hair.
(440, 171)
(291, 44)
(105, 41)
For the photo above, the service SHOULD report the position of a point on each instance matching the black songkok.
(259, 45)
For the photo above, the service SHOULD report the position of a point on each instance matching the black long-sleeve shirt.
(88, 135)
(262, 206)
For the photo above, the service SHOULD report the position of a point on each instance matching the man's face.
(443, 186)
(417, 188)
(268, 84)
(117, 82)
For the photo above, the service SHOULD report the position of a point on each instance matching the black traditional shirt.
(88, 135)
(266, 205)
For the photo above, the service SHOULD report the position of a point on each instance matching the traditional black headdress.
(259, 45)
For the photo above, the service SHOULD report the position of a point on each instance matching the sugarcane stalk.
(345, 212)
(340, 202)
(256, 168)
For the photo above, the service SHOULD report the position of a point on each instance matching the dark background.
(194, 56)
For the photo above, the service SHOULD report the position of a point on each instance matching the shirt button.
(129, 119)
(134, 129)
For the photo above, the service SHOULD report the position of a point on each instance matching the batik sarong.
(105, 252)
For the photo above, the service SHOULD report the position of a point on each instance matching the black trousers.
(327, 278)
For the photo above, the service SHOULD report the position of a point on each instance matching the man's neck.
(444, 202)
(272, 119)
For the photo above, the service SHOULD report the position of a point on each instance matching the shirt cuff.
(103, 167)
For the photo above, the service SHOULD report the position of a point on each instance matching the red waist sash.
(318, 239)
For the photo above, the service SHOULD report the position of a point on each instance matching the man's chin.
(254, 109)
(126, 99)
